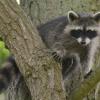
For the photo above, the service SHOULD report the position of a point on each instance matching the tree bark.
(41, 73)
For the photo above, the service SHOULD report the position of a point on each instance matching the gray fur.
(56, 35)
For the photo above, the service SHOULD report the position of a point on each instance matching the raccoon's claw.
(56, 57)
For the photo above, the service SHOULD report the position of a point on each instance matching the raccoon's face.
(83, 36)
(84, 28)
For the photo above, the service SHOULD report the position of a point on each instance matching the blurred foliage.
(4, 52)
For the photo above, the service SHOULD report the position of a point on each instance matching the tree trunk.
(41, 73)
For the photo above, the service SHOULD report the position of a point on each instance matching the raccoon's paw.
(59, 55)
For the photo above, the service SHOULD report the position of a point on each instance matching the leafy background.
(4, 53)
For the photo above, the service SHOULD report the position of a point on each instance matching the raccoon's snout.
(84, 42)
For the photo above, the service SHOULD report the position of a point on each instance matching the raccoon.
(73, 41)
(8, 72)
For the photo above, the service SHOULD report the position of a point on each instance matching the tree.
(31, 55)
(41, 74)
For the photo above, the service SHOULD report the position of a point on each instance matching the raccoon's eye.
(76, 33)
(91, 34)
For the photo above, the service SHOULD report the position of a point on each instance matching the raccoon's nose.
(83, 42)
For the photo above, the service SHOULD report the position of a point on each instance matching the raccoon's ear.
(96, 16)
(72, 16)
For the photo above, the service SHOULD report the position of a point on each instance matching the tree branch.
(88, 84)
